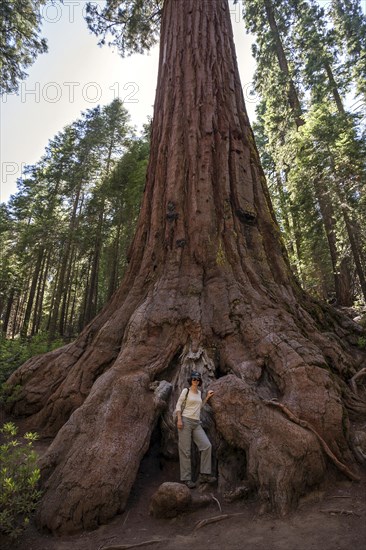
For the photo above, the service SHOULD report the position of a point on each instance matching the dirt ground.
(331, 518)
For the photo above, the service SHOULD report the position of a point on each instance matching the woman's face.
(195, 382)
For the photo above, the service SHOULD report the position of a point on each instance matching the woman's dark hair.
(195, 374)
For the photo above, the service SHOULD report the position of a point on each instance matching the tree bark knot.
(245, 216)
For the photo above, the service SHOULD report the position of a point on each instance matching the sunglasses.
(196, 379)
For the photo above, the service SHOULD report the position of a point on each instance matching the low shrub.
(19, 476)
(14, 353)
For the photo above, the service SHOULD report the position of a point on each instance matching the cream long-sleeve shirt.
(193, 404)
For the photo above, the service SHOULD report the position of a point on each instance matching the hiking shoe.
(207, 478)
(190, 484)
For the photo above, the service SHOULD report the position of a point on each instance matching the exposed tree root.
(91, 466)
(342, 467)
(341, 512)
(357, 376)
(355, 406)
(340, 496)
(136, 545)
(108, 455)
(215, 519)
(284, 458)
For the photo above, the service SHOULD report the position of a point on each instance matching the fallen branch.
(133, 545)
(342, 467)
(215, 519)
(216, 500)
(345, 512)
(101, 547)
(128, 513)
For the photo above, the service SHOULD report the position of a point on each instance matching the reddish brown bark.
(208, 286)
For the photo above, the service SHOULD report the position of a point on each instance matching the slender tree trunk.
(208, 286)
(286, 222)
(32, 292)
(55, 315)
(71, 327)
(349, 224)
(3, 301)
(21, 309)
(328, 216)
(115, 257)
(14, 315)
(9, 306)
(82, 319)
(38, 304)
(293, 98)
(342, 198)
(68, 281)
(38, 308)
(355, 251)
(334, 88)
(71, 298)
(297, 239)
(92, 297)
(53, 294)
(69, 261)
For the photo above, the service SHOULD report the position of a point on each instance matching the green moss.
(227, 209)
(193, 291)
(361, 342)
(220, 256)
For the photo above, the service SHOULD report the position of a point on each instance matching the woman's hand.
(209, 395)
(179, 424)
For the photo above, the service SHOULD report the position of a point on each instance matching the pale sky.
(76, 75)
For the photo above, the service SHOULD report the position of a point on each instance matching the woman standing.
(188, 412)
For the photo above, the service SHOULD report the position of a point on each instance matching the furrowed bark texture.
(208, 286)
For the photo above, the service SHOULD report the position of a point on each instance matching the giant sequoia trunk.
(209, 286)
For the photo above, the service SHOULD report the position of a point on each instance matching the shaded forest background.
(65, 234)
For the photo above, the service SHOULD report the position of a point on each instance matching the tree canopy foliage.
(20, 41)
(312, 137)
(66, 230)
(133, 25)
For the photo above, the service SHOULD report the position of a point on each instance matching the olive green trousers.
(193, 429)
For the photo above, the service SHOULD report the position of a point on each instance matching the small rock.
(170, 500)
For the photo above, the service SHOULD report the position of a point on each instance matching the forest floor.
(331, 518)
